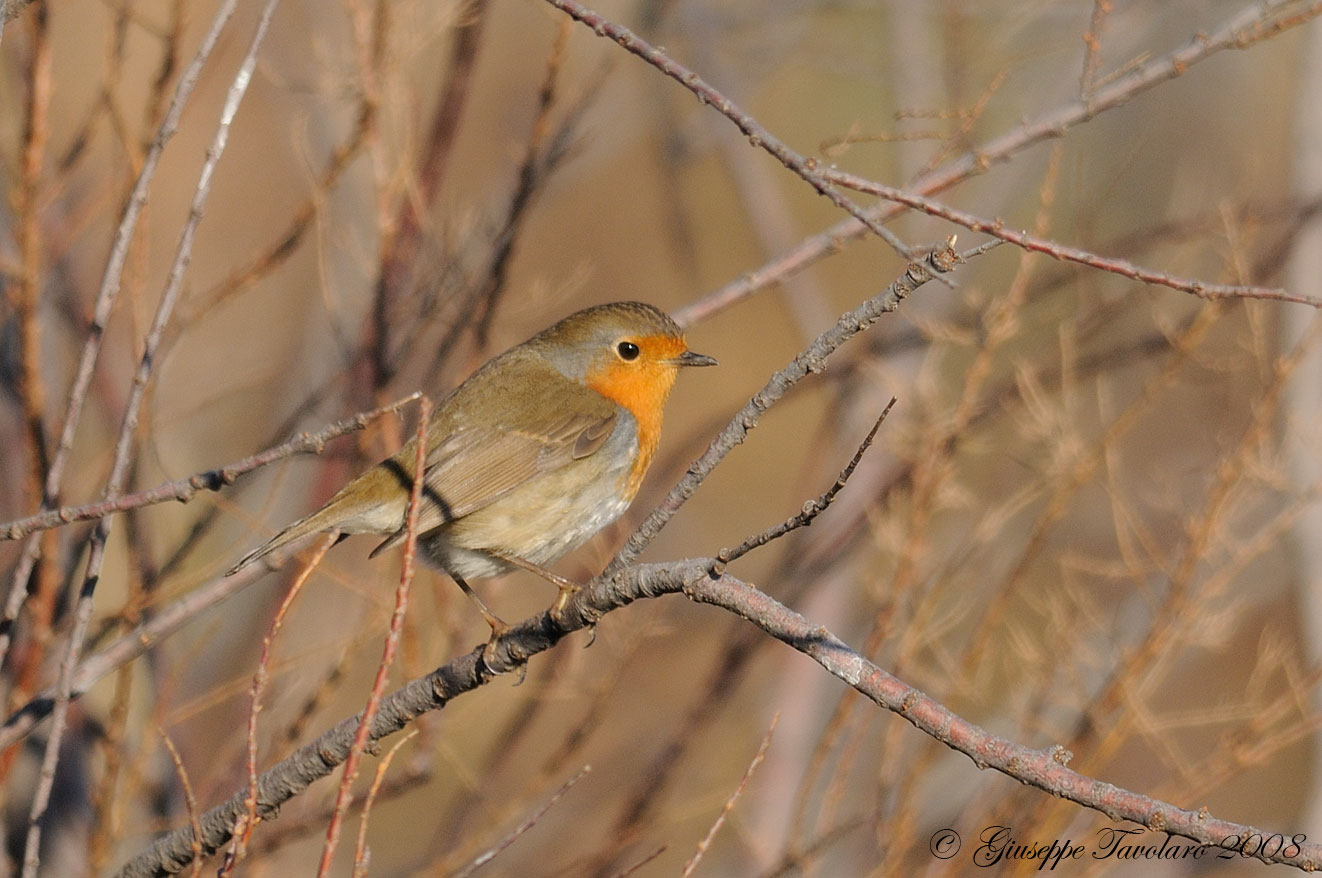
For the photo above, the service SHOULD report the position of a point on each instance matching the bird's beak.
(689, 358)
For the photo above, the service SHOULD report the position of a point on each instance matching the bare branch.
(260, 679)
(758, 136)
(123, 446)
(812, 508)
(183, 490)
(1045, 769)
(997, 229)
(345, 793)
(1246, 28)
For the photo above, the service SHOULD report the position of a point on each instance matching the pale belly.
(538, 522)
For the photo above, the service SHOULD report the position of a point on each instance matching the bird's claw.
(498, 630)
(567, 590)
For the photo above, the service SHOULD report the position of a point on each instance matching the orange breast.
(642, 387)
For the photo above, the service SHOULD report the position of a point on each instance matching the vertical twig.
(36, 132)
(729, 803)
(400, 242)
(248, 820)
(1092, 41)
(361, 853)
(345, 793)
(190, 801)
(25, 300)
(119, 468)
(105, 302)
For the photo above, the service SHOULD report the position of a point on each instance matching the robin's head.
(619, 344)
(629, 352)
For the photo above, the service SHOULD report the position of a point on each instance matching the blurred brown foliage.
(1082, 525)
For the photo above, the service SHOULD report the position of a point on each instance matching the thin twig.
(260, 678)
(124, 443)
(26, 293)
(183, 490)
(794, 861)
(758, 136)
(105, 302)
(360, 739)
(629, 870)
(190, 801)
(1247, 27)
(812, 508)
(1092, 41)
(361, 853)
(996, 228)
(734, 796)
(528, 823)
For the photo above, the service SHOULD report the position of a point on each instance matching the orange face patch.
(641, 386)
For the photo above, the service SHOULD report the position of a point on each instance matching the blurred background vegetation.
(1090, 521)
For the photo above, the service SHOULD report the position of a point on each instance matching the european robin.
(540, 448)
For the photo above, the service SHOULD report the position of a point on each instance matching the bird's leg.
(498, 625)
(567, 587)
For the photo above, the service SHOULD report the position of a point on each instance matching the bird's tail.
(322, 519)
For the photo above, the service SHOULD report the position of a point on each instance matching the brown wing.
(473, 464)
(476, 466)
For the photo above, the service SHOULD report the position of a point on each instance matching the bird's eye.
(627, 350)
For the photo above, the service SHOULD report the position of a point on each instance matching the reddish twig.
(729, 803)
(1244, 29)
(190, 801)
(105, 301)
(1092, 41)
(36, 132)
(260, 678)
(120, 466)
(361, 853)
(345, 793)
(996, 228)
